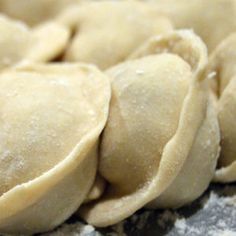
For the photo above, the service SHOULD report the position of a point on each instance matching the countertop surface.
(213, 214)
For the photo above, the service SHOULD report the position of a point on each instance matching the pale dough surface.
(34, 12)
(222, 64)
(51, 119)
(106, 32)
(212, 20)
(160, 118)
(19, 43)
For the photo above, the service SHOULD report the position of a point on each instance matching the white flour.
(215, 215)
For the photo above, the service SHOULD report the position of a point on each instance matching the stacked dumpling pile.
(110, 106)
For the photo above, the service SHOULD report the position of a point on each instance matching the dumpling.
(222, 64)
(18, 43)
(107, 32)
(34, 11)
(162, 133)
(50, 121)
(213, 20)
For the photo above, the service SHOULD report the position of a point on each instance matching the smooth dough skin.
(34, 11)
(162, 131)
(222, 63)
(18, 43)
(106, 32)
(212, 20)
(50, 121)
(97, 189)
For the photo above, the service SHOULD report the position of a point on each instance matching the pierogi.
(212, 20)
(162, 132)
(106, 32)
(51, 119)
(19, 43)
(34, 12)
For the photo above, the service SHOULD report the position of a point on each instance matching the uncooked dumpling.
(51, 119)
(213, 20)
(34, 11)
(18, 43)
(162, 131)
(222, 64)
(107, 32)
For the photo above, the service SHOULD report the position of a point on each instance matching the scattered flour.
(77, 229)
(213, 215)
(225, 233)
(216, 216)
(181, 226)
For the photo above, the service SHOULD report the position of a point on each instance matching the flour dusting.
(214, 214)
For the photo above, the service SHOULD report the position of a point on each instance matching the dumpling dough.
(162, 132)
(213, 20)
(50, 122)
(107, 32)
(222, 63)
(34, 11)
(19, 43)
(97, 189)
